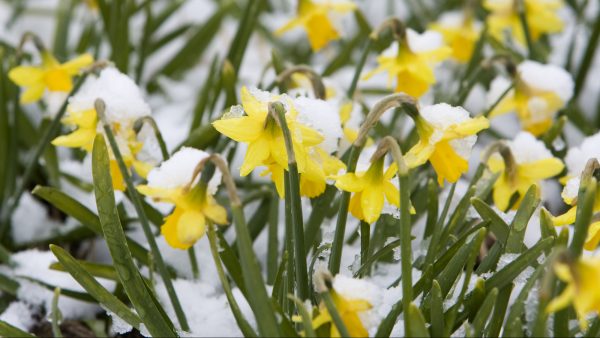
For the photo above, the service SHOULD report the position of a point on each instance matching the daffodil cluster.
(251, 123)
(123, 106)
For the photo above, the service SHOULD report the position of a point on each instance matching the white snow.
(323, 117)
(442, 116)
(547, 78)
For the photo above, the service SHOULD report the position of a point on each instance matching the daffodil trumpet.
(391, 101)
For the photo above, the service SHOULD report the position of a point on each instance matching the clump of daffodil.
(460, 32)
(582, 289)
(539, 92)
(172, 183)
(541, 17)
(123, 104)
(576, 161)
(411, 60)
(446, 136)
(49, 75)
(251, 123)
(522, 162)
(315, 17)
(370, 189)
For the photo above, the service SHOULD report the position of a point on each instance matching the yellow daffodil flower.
(530, 163)
(539, 92)
(569, 196)
(187, 222)
(50, 75)
(446, 136)
(582, 288)
(266, 146)
(348, 310)
(194, 204)
(460, 33)
(411, 62)
(369, 189)
(541, 18)
(314, 17)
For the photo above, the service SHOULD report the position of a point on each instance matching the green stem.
(237, 313)
(335, 315)
(340, 229)
(497, 102)
(56, 315)
(278, 110)
(588, 58)
(137, 202)
(359, 68)
(159, 138)
(365, 236)
(405, 246)
(273, 240)
(32, 163)
(525, 25)
(194, 262)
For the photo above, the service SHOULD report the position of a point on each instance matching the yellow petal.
(73, 67)
(214, 211)
(392, 194)
(80, 138)
(447, 163)
(355, 207)
(593, 237)
(562, 301)
(350, 182)
(419, 153)
(252, 106)
(469, 127)
(502, 193)
(57, 80)
(239, 129)
(566, 218)
(258, 152)
(32, 93)
(542, 169)
(26, 76)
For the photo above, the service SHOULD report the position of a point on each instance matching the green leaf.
(95, 269)
(519, 224)
(7, 330)
(506, 275)
(73, 208)
(497, 224)
(417, 326)
(437, 311)
(94, 288)
(117, 245)
(484, 312)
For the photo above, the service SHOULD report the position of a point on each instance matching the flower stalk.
(277, 112)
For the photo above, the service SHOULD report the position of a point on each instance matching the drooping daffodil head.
(541, 16)
(446, 137)
(194, 205)
(123, 105)
(50, 75)
(410, 62)
(539, 92)
(525, 161)
(353, 300)
(317, 19)
(460, 32)
(576, 161)
(371, 188)
(582, 289)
